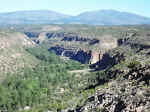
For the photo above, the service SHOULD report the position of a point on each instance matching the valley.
(74, 68)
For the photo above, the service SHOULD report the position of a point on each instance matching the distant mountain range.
(101, 17)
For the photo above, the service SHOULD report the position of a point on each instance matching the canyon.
(69, 45)
(86, 68)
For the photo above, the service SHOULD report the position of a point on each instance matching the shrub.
(100, 109)
(102, 75)
(134, 63)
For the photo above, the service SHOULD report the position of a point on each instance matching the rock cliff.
(83, 49)
(85, 55)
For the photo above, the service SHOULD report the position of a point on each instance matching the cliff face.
(91, 56)
(96, 57)
(63, 36)
(63, 42)
(80, 55)
(84, 56)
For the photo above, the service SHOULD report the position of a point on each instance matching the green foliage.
(51, 58)
(101, 75)
(100, 109)
(134, 63)
(74, 65)
(48, 86)
(44, 55)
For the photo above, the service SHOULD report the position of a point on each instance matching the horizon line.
(73, 14)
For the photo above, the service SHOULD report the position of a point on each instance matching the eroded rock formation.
(96, 57)
(122, 100)
(81, 51)
(80, 55)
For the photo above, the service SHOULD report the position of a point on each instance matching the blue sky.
(74, 7)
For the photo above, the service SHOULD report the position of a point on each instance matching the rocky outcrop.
(107, 60)
(132, 94)
(94, 41)
(70, 37)
(64, 36)
(124, 98)
(135, 40)
(75, 38)
(133, 44)
(80, 55)
(83, 56)
(32, 34)
(139, 73)
(54, 35)
(92, 57)
(96, 57)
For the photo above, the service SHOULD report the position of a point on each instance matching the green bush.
(101, 75)
(99, 109)
(134, 63)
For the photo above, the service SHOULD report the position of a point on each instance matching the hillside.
(112, 17)
(101, 17)
(30, 17)
(13, 57)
